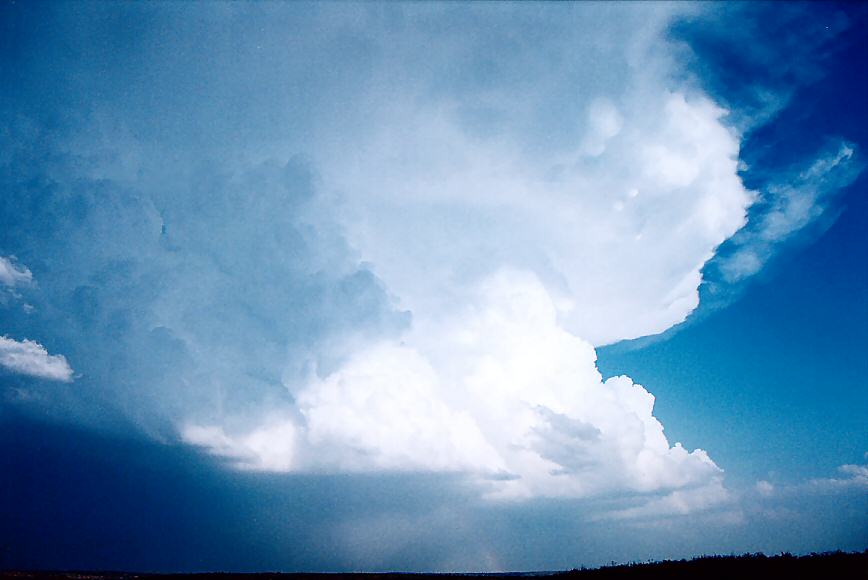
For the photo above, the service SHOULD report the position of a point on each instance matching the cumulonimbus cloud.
(409, 266)
(515, 264)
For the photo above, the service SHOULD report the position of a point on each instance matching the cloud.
(407, 285)
(31, 359)
(810, 505)
(384, 258)
(12, 274)
(853, 477)
(619, 236)
(179, 303)
(796, 200)
(765, 488)
(269, 447)
(681, 502)
(13, 277)
(516, 255)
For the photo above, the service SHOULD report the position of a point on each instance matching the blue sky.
(430, 287)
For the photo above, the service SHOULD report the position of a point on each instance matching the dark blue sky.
(320, 287)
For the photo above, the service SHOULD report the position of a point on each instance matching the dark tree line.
(827, 566)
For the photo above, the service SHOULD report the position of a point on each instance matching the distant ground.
(820, 566)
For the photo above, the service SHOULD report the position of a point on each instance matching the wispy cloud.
(840, 498)
(852, 477)
(794, 201)
(13, 274)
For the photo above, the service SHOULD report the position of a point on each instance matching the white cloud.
(519, 247)
(525, 201)
(619, 238)
(384, 410)
(499, 391)
(13, 274)
(853, 477)
(540, 184)
(604, 123)
(30, 358)
(791, 205)
(269, 447)
(681, 502)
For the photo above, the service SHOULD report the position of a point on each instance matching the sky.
(430, 287)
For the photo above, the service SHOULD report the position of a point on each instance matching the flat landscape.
(821, 566)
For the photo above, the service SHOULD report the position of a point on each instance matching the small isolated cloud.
(30, 358)
(13, 274)
(765, 488)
